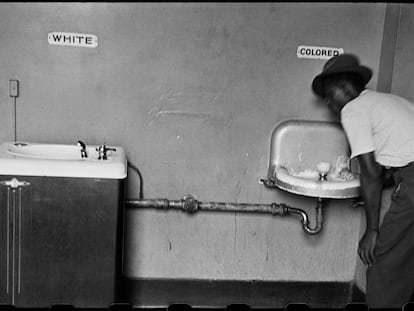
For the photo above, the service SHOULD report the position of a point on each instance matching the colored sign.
(72, 39)
(317, 52)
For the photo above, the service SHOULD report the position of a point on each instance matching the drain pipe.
(191, 205)
(305, 219)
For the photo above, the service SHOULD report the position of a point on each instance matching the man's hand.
(367, 246)
(371, 186)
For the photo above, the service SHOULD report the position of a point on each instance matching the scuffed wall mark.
(235, 238)
(149, 120)
(170, 246)
(238, 189)
(181, 113)
(169, 96)
(166, 99)
(267, 246)
(157, 115)
(217, 95)
(181, 104)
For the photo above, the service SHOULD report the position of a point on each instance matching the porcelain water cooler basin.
(311, 158)
(60, 160)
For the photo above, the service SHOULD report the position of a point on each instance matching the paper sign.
(72, 39)
(317, 52)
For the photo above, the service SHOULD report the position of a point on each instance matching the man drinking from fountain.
(380, 131)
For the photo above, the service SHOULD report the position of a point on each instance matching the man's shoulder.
(369, 99)
(371, 95)
(362, 102)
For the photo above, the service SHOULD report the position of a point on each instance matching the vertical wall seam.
(235, 238)
(388, 47)
(395, 45)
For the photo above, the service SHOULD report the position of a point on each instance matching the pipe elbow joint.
(312, 231)
(305, 219)
(319, 221)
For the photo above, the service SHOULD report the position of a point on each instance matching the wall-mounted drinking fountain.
(308, 158)
(311, 158)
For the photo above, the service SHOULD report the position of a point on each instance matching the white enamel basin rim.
(60, 160)
(305, 144)
(336, 189)
(45, 151)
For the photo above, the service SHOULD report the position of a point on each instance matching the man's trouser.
(390, 281)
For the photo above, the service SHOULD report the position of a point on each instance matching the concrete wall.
(192, 91)
(403, 73)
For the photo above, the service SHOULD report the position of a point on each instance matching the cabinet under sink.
(61, 237)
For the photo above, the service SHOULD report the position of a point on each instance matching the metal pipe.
(191, 205)
(141, 180)
(305, 219)
(274, 209)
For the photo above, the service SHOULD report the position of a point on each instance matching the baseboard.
(161, 293)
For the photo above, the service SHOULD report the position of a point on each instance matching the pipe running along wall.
(191, 205)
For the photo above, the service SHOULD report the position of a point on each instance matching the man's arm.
(371, 185)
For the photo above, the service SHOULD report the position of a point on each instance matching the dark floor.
(243, 295)
(204, 295)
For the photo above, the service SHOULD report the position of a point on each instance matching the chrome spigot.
(102, 150)
(323, 168)
(323, 176)
(82, 145)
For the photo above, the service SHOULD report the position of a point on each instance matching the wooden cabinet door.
(5, 245)
(68, 246)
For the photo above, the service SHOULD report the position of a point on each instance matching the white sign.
(317, 52)
(72, 39)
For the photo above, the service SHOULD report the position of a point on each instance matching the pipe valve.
(190, 205)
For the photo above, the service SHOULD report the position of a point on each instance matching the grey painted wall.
(403, 74)
(192, 91)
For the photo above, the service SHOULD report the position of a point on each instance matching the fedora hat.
(342, 63)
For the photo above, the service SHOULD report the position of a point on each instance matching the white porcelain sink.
(62, 160)
(312, 186)
(47, 151)
(297, 149)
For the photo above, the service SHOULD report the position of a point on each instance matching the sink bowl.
(60, 160)
(47, 151)
(299, 148)
(311, 185)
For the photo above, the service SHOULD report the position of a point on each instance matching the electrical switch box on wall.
(13, 88)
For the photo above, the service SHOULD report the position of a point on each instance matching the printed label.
(317, 52)
(72, 39)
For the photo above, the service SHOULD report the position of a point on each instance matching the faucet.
(323, 168)
(102, 150)
(82, 145)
